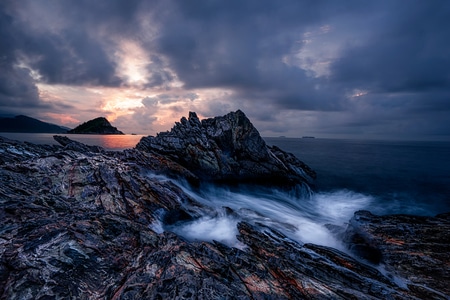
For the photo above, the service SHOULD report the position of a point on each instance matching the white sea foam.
(339, 206)
(301, 219)
(222, 229)
(157, 226)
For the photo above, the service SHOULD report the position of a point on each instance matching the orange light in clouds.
(62, 119)
(121, 104)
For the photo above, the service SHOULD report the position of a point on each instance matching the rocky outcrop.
(227, 149)
(96, 126)
(80, 222)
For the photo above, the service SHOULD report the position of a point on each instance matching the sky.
(333, 69)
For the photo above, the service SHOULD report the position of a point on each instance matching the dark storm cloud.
(159, 76)
(241, 45)
(269, 55)
(67, 42)
(7, 46)
(74, 53)
(408, 52)
(17, 88)
(73, 59)
(403, 65)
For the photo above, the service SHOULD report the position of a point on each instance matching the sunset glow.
(147, 64)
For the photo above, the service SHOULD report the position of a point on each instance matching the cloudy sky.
(344, 69)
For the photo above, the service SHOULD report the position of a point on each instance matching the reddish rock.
(415, 248)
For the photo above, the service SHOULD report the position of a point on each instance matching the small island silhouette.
(96, 126)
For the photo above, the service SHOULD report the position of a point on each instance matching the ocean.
(384, 177)
(110, 142)
(401, 176)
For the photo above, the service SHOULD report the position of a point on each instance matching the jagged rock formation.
(79, 222)
(96, 126)
(227, 148)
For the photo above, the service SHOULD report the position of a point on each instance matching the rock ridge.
(227, 149)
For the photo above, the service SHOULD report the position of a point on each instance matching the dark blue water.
(384, 177)
(403, 176)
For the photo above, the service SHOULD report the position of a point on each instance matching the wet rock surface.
(416, 248)
(80, 222)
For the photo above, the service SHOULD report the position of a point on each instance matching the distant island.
(96, 126)
(307, 137)
(26, 124)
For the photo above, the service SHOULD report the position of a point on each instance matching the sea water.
(107, 141)
(402, 176)
(385, 177)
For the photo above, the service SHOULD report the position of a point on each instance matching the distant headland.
(29, 125)
(25, 124)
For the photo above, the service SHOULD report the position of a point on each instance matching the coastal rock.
(88, 225)
(12, 151)
(311, 271)
(75, 222)
(69, 144)
(227, 149)
(80, 222)
(158, 164)
(416, 248)
(96, 126)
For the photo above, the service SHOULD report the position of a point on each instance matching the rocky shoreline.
(77, 222)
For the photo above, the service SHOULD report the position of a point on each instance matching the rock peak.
(193, 115)
(227, 148)
(193, 119)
